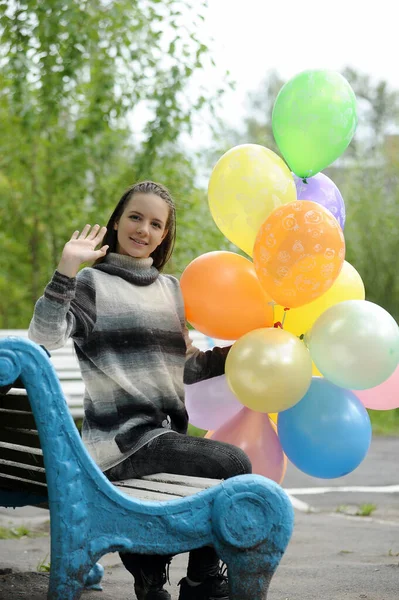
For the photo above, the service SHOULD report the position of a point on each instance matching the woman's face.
(142, 225)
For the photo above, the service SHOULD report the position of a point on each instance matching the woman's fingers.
(95, 233)
(100, 234)
(92, 234)
(85, 231)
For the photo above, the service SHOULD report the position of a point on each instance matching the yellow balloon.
(269, 369)
(347, 286)
(247, 183)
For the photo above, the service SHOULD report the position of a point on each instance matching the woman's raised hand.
(81, 248)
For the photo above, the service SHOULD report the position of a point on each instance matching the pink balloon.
(382, 397)
(210, 403)
(252, 432)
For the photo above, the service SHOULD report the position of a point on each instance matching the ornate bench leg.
(67, 578)
(253, 523)
(64, 586)
(92, 581)
(249, 574)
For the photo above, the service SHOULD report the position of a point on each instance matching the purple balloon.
(210, 403)
(322, 190)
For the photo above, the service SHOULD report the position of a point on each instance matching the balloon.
(347, 286)
(246, 184)
(273, 423)
(328, 433)
(254, 433)
(223, 297)
(355, 344)
(210, 403)
(315, 371)
(322, 190)
(314, 119)
(269, 370)
(384, 396)
(298, 253)
(273, 417)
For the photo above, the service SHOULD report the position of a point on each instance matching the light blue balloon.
(355, 344)
(327, 434)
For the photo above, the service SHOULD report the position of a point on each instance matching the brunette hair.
(163, 252)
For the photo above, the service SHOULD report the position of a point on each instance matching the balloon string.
(285, 314)
(279, 324)
(272, 304)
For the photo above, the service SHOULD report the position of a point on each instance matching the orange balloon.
(223, 297)
(299, 252)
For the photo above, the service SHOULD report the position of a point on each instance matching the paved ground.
(332, 555)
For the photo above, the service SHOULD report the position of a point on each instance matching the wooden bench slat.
(17, 419)
(23, 437)
(65, 362)
(146, 494)
(17, 392)
(34, 474)
(69, 374)
(11, 482)
(188, 480)
(15, 400)
(163, 488)
(21, 454)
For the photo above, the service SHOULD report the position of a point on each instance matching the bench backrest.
(21, 457)
(39, 441)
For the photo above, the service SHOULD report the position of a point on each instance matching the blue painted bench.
(248, 519)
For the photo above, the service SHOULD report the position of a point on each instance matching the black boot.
(204, 566)
(213, 587)
(150, 574)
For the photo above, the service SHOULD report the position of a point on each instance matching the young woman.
(128, 326)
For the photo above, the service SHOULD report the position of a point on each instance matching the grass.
(195, 431)
(14, 533)
(43, 566)
(365, 510)
(385, 422)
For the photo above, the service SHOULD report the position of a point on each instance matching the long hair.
(163, 252)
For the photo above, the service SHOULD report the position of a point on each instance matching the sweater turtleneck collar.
(139, 271)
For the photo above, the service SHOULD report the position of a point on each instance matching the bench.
(43, 462)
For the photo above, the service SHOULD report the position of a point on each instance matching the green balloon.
(314, 119)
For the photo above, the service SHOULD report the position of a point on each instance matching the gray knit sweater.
(128, 326)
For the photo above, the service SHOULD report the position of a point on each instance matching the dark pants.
(184, 455)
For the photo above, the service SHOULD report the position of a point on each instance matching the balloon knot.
(278, 325)
(287, 308)
(301, 336)
(304, 180)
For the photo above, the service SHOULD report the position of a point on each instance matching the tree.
(74, 75)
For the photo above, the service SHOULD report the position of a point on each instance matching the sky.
(252, 37)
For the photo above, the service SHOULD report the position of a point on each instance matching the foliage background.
(97, 94)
